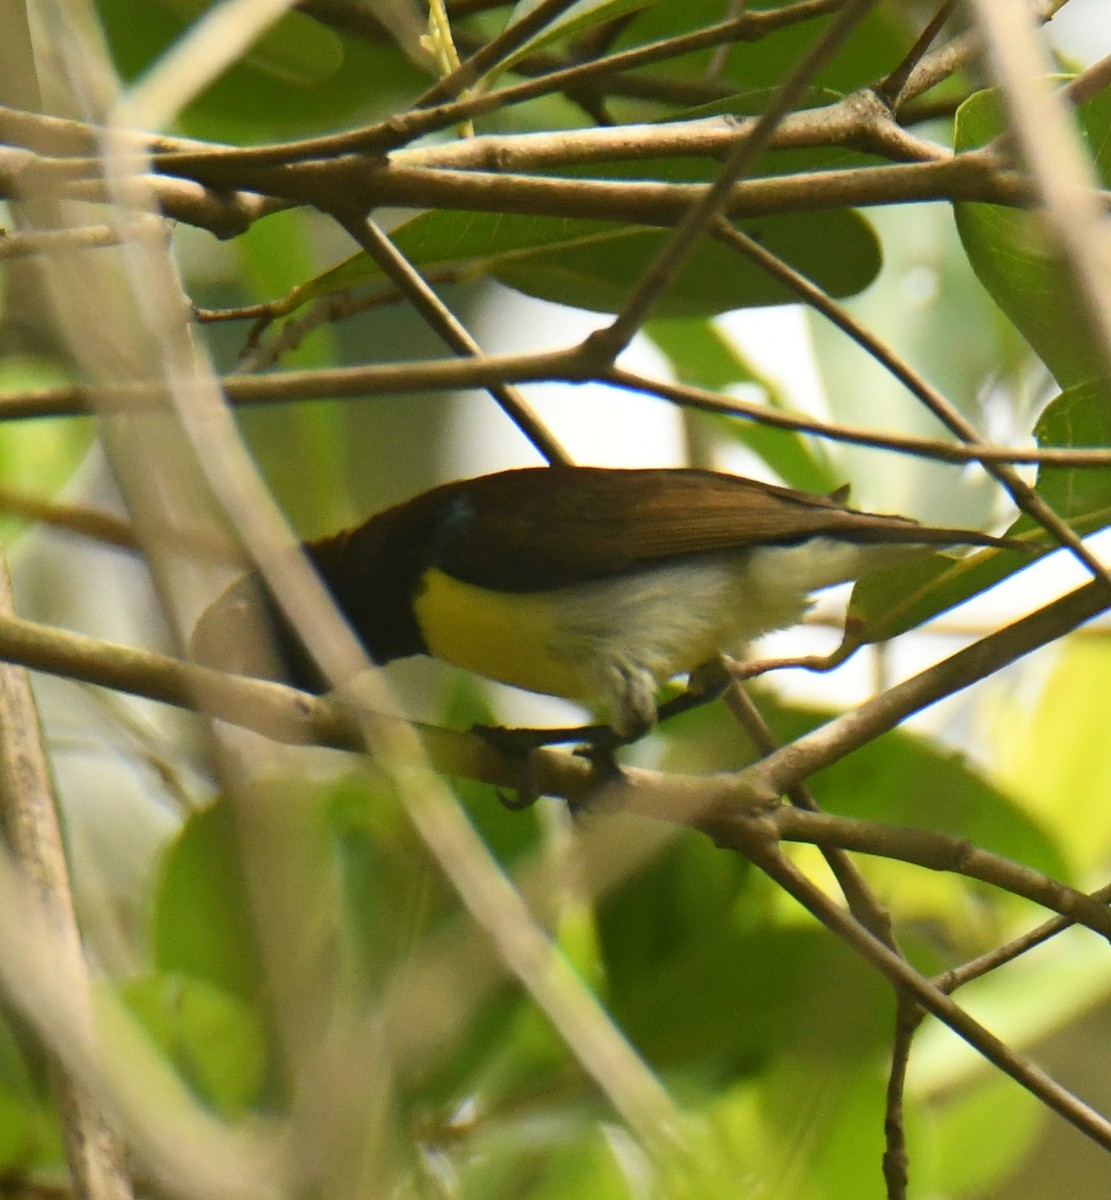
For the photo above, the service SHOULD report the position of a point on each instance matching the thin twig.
(884, 712)
(891, 88)
(705, 400)
(939, 851)
(1024, 496)
(866, 907)
(86, 522)
(975, 968)
(93, 1149)
(757, 842)
(387, 379)
(409, 281)
(604, 346)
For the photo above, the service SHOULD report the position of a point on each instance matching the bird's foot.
(597, 744)
(605, 770)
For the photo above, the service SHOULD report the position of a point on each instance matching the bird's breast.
(665, 620)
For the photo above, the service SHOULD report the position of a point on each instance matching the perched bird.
(592, 584)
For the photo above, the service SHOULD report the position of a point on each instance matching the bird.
(595, 584)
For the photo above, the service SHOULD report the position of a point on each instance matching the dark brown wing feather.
(547, 527)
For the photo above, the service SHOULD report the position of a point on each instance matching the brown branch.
(689, 396)
(604, 346)
(968, 177)
(860, 121)
(939, 851)
(550, 366)
(972, 176)
(270, 709)
(88, 237)
(85, 522)
(832, 741)
(756, 840)
(1024, 496)
(411, 284)
(29, 807)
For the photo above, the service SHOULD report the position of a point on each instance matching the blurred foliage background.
(772, 1038)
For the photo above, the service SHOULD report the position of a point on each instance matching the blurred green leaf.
(17, 1130)
(27, 1135)
(275, 253)
(904, 780)
(295, 48)
(904, 597)
(595, 264)
(391, 894)
(1055, 753)
(1011, 254)
(705, 987)
(214, 1040)
(528, 1163)
(579, 17)
(899, 779)
(37, 457)
(201, 923)
(978, 1136)
(1079, 418)
(872, 49)
(272, 93)
(887, 603)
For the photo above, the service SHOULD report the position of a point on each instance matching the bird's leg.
(597, 745)
(518, 742)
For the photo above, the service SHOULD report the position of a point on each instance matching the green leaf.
(702, 355)
(979, 1136)
(1011, 254)
(295, 48)
(37, 457)
(706, 986)
(1055, 753)
(583, 15)
(888, 603)
(215, 1041)
(905, 780)
(872, 49)
(25, 1133)
(595, 265)
(342, 77)
(1079, 418)
(201, 924)
(893, 601)
(275, 254)
(902, 779)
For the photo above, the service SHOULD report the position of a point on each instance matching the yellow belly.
(612, 642)
(510, 637)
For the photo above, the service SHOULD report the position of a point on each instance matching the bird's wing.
(541, 528)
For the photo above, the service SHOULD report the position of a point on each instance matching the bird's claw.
(517, 745)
